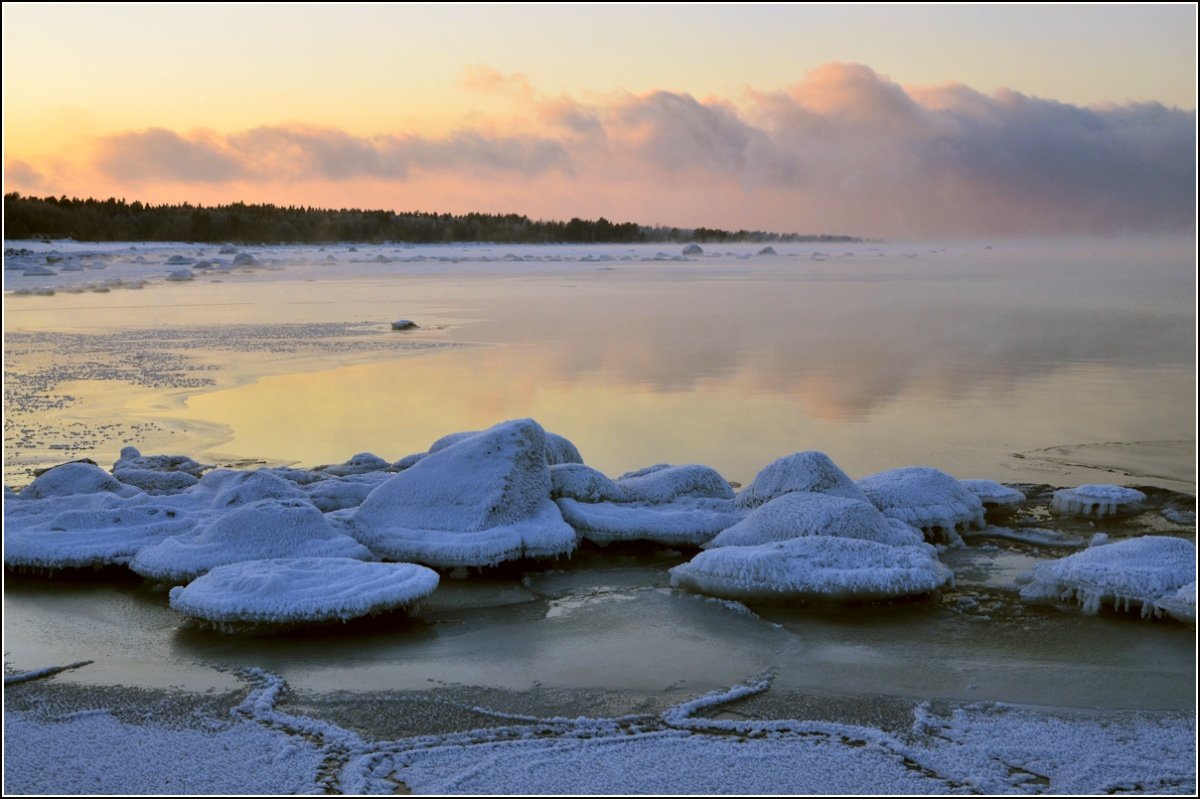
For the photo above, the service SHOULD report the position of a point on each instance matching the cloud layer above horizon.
(843, 150)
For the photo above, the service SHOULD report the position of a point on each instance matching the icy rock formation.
(1134, 572)
(86, 531)
(805, 514)
(38, 271)
(156, 482)
(803, 471)
(693, 249)
(241, 488)
(245, 259)
(361, 463)
(558, 449)
(179, 260)
(180, 275)
(1097, 500)
(344, 492)
(478, 502)
(132, 458)
(767, 251)
(584, 484)
(1180, 605)
(293, 591)
(926, 498)
(664, 483)
(687, 521)
(813, 568)
(403, 324)
(993, 495)
(76, 477)
(270, 528)
(408, 460)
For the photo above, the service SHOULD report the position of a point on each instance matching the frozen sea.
(1050, 363)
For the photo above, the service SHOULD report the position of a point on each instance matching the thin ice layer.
(269, 528)
(802, 514)
(810, 471)
(1136, 572)
(481, 501)
(295, 590)
(926, 498)
(688, 521)
(1096, 500)
(813, 568)
(1180, 605)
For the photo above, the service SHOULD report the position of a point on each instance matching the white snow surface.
(801, 513)
(1137, 572)
(477, 502)
(687, 521)
(1096, 500)
(664, 483)
(926, 498)
(810, 471)
(269, 528)
(813, 567)
(298, 590)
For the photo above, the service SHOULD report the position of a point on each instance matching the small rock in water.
(403, 324)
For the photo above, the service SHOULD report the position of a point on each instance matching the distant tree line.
(117, 220)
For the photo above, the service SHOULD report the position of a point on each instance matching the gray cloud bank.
(843, 143)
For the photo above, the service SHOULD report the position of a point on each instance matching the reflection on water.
(956, 363)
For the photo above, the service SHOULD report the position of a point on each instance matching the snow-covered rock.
(803, 471)
(132, 458)
(687, 521)
(1097, 500)
(1137, 572)
(993, 495)
(269, 528)
(241, 488)
(693, 249)
(403, 324)
(477, 502)
(813, 568)
(926, 498)
(584, 484)
(804, 514)
(361, 463)
(1180, 605)
(156, 482)
(292, 591)
(558, 449)
(664, 483)
(344, 492)
(76, 477)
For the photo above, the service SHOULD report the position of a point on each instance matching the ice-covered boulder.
(1180, 605)
(408, 460)
(76, 477)
(86, 531)
(245, 259)
(132, 458)
(687, 521)
(156, 482)
(665, 483)
(181, 275)
(361, 463)
(813, 568)
(584, 484)
(803, 471)
(767, 251)
(38, 271)
(179, 260)
(241, 488)
(804, 514)
(404, 324)
(291, 591)
(270, 528)
(227, 249)
(344, 492)
(1137, 572)
(994, 496)
(693, 249)
(558, 449)
(478, 502)
(1097, 500)
(926, 498)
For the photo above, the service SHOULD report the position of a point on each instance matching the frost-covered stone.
(301, 590)
(132, 458)
(994, 495)
(179, 260)
(241, 488)
(181, 275)
(245, 259)
(344, 492)
(1137, 572)
(38, 271)
(156, 482)
(813, 568)
(478, 502)
(926, 498)
(558, 449)
(361, 463)
(693, 249)
(76, 477)
(1097, 500)
(584, 484)
(664, 483)
(403, 324)
(767, 251)
(1180, 605)
(803, 471)
(408, 460)
(804, 514)
(269, 528)
(687, 521)
(86, 531)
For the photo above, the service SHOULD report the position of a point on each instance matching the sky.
(883, 120)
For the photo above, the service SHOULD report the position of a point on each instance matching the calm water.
(1064, 363)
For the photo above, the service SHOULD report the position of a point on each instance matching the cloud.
(845, 149)
(18, 173)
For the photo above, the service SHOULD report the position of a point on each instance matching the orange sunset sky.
(888, 120)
